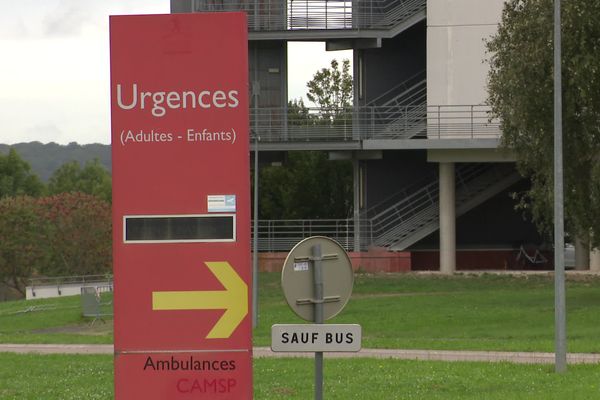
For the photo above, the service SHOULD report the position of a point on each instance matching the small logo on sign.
(301, 266)
(221, 203)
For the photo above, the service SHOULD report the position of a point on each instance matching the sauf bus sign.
(181, 217)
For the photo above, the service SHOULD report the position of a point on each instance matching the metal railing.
(278, 124)
(461, 122)
(412, 215)
(405, 216)
(413, 212)
(413, 90)
(73, 279)
(310, 14)
(278, 15)
(319, 124)
(389, 202)
(282, 235)
(416, 216)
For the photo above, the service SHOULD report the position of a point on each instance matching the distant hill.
(47, 158)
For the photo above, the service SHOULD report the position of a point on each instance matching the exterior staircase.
(401, 15)
(400, 220)
(416, 216)
(403, 109)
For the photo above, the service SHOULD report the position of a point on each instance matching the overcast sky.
(54, 73)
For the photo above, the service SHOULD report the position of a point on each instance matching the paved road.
(437, 355)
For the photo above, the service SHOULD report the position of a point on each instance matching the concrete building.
(431, 184)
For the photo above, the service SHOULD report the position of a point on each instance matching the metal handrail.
(381, 207)
(72, 279)
(421, 209)
(461, 121)
(401, 90)
(277, 15)
(278, 124)
(418, 210)
(282, 235)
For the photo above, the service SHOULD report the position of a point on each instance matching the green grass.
(409, 311)
(486, 312)
(55, 377)
(56, 320)
(70, 377)
(396, 311)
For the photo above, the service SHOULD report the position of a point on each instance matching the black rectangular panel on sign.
(179, 228)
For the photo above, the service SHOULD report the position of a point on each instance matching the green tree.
(331, 90)
(92, 179)
(521, 95)
(23, 240)
(308, 185)
(80, 234)
(323, 188)
(16, 177)
(298, 113)
(65, 234)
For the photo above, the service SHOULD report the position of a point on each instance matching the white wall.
(456, 67)
(61, 290)
(456, 29)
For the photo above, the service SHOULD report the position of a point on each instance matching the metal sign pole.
(318, 281)
(255, 99)
(559, 235)
(255, 242)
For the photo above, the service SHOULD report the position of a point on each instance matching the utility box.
(181, 208)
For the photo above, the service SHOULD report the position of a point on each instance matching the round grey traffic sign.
(298, 277)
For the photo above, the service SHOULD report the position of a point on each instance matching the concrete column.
(582, 253)
(595, 260)
(447, 219)
(356, 200)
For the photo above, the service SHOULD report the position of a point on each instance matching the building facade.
(429, 177)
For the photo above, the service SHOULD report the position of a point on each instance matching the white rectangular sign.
(316, 337)
(221, 203)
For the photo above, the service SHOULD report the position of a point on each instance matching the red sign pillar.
(181, 206)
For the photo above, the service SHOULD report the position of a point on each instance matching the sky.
(54, 74)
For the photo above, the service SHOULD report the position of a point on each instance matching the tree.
(66, 234)
(92, 179)
(16, 177)
(307, 186)
(322, 188)
(23, 240)
(80, 236)
(521, 96)
(297, 113)
(331, 90)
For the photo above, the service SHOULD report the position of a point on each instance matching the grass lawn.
(409, 311)
(488, 312)
(56, 320)
(69, 377)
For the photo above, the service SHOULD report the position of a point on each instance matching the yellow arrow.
(234, 300)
